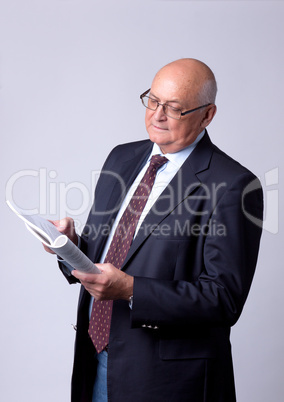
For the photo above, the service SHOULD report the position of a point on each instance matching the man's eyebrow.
(168, 101)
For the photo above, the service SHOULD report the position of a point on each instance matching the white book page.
(47, 233)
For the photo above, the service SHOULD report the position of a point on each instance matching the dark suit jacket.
(193, 260)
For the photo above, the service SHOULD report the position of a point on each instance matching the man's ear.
(208, 115)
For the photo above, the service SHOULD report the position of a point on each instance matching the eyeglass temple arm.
(193, 110)
(145, 93)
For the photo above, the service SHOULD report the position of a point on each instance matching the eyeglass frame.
(144, 95)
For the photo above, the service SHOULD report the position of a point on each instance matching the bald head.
(188, 87)
(194, 76)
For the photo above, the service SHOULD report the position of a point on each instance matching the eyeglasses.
(170, 111)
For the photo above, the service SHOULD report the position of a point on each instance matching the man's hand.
(111, 284)
(66, 227)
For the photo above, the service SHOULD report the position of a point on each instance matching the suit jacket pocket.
(191, 348)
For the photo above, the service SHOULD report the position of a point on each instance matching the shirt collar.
(177, 158)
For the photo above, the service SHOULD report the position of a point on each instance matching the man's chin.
(158, 137)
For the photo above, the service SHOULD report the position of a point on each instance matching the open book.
(47, 233)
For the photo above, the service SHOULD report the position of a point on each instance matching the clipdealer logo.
(55, 195)
(271, 201)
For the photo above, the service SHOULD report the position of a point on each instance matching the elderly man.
(177, 261)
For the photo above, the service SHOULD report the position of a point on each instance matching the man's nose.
(159, 113)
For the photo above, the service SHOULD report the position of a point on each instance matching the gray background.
(70, 77)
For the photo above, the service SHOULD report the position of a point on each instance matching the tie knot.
(157, 161)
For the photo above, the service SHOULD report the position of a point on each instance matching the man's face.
(176, 90)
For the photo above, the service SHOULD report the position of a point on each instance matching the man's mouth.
(159, 128)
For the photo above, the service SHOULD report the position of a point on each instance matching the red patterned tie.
(99, 327)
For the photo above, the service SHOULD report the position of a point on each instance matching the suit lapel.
(128, 170)
(187, 179)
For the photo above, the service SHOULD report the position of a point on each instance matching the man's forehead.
(173, 88)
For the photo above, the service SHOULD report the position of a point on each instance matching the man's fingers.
(63, 225)
(66, 227)
(89, 281)
(91, 278)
